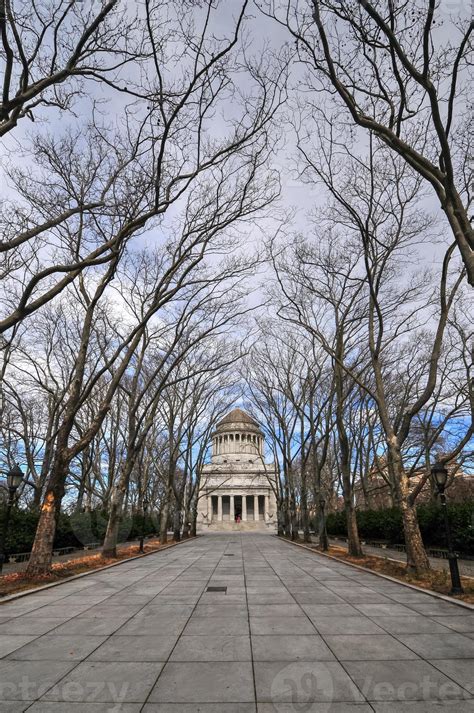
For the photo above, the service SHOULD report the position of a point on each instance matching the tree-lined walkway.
(293, 632)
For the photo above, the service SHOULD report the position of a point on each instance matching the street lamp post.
(439, 473)
(142, 534)
(14, 478)
(323, 533)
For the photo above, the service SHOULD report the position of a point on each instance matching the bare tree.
(401, 78)
(375, 205)
(51, 50)
(321, 292)
(174, 275)
(273, 378)
(161, 373)
(79, 195)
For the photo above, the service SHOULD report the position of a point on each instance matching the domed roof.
(237, 416)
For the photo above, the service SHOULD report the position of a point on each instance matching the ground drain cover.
(217, 589)
(229, 555)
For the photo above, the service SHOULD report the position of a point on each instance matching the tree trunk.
(109, 548)
(186, 524)
(294, 525)
(322, 531)
(46, 462)
(42, 550)
(164, 518)
(38, 492)
(80, 497)
(458, 217)
(417, 558)
(286, 520)
(293, 516)
(41, 554)
(194, 511)
(353, 541)
(318, 497)
(177, 524)
(304, 511)
(280, 518)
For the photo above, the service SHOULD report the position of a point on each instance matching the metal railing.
(384, 545)
(58, 551)
(25, 556)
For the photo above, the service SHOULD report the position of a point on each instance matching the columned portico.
(237, 485)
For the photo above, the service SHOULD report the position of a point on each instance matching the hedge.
(386, 525)
(75, 530)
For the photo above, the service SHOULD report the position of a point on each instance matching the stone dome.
(237, 418)
(237, 438)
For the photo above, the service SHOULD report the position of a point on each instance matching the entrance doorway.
(238, 507)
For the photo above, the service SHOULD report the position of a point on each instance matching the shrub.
(21, 531)
(73, 530)
(336, 524)
(386, 525)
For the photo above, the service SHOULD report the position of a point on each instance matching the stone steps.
(250, 525)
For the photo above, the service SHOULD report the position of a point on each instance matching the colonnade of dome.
(237, 442)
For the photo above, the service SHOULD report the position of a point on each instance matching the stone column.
(219, 508)
(244, 508)
(255, 508)
(231, 509)
(209, 508)
(267, 507)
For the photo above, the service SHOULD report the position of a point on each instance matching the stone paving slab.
(293, 632)
(10, 642)
(424, 707)
(461, 623)
(402, 681)
(200, 708)
(57, 648)
(58, 707)
(212, 648)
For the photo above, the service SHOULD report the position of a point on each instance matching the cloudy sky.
(261, 34)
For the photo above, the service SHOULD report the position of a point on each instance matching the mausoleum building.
(237, 489)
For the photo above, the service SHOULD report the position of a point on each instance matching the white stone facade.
(237, 489)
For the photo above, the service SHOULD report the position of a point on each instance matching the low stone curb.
(436, 595)
(26, 592)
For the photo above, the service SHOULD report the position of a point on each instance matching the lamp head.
(14, 477)
(439, 473)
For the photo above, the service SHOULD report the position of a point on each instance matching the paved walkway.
(294, 632)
